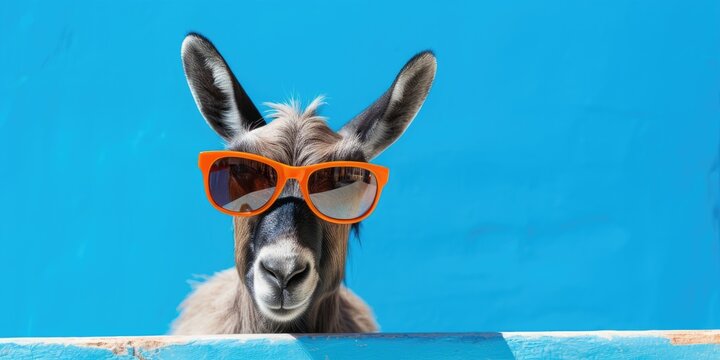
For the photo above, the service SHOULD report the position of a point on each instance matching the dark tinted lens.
(241, 185)
(342, 192)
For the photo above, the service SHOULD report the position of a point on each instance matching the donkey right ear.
(218, 95)
(381, 123)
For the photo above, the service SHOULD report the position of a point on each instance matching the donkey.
(288, 232)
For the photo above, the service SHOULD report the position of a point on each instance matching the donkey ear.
(218, 95)
(381, 123)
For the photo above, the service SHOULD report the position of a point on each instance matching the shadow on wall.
(490, 345)
(339, 346)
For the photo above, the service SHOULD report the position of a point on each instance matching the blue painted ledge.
(510, 345)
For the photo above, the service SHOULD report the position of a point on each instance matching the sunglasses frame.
(285, 172)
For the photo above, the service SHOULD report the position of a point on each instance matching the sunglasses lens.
(241, 185)
(342, 193)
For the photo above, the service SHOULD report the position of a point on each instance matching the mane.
(294, 135)
(292, 110)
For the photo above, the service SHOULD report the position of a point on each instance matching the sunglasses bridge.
(297, 173)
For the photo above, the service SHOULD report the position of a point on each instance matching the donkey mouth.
(283, 313)
(287, 306)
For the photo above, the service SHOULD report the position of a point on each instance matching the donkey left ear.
(218, 95)
(381, 123)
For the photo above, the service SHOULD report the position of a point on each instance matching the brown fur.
(223, 304)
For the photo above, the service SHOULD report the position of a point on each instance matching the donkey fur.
(224, 303)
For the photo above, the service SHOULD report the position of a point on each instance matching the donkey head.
(288, 258)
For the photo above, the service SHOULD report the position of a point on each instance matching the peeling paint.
(125, 347)
(694, 337)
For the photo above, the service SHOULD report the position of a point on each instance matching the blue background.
(562, 175)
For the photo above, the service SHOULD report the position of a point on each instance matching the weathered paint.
(518, 345)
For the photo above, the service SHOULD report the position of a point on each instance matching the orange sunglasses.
(243, 184)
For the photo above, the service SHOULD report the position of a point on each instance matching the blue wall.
(563, 173)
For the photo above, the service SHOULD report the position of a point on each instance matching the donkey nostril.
(297, 275)
(281, 274)
(273, 273)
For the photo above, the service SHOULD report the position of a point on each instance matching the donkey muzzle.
(284, 279)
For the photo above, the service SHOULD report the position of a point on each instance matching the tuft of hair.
(355, 231)
(292, 109)
(301, 136)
